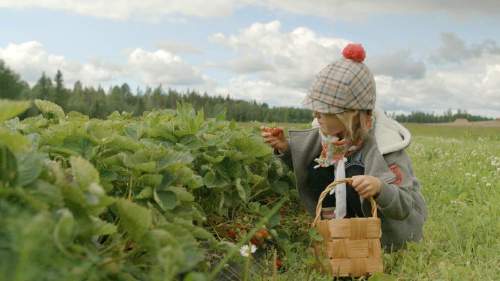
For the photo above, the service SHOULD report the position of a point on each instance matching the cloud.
(162, 67)
(280, 57)
(277, 67)
(455, 50)
(30, 59)
(148, 10)
(398, 64)
(150, 68)
(241, 87)
(359, 9)
(475, 88)
(156, 10)
(246, 64)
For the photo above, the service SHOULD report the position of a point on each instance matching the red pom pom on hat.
(354, 52)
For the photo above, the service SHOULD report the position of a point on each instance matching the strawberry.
(231, 234)
(276, 132)
(256, 241)
(262, 234)
(278, 263)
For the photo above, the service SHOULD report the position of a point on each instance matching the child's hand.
(366, 186)
(275, 138)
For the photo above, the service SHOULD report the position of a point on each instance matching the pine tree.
(11, 86)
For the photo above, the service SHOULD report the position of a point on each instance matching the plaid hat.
(343, 85)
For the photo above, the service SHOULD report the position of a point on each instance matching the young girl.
(351, 139)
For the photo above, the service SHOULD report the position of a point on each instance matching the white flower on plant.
(246, 250)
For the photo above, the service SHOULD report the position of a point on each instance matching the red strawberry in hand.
(276, 132)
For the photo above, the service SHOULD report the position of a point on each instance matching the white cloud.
(149, 10)
(454, 49)
(246, 64)
(162, 67)
(359, 9)
(399, 64)
(403, 82)
(241, 87)
(274, 59)
(30, 59)
(475, 88)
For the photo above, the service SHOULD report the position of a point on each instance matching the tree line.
(448, 116)
(99, 102)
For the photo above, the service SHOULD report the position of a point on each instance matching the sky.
(425, 55)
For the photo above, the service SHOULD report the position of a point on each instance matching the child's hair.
(357, 124)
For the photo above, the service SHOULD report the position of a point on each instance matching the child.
(349, 144)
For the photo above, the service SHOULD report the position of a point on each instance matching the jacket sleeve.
(402, 196)
(286, 157)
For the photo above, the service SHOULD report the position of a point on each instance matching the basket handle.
(331, 187)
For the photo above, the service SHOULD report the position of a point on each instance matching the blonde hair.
(357, 123)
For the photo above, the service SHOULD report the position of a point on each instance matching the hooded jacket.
(402, 209)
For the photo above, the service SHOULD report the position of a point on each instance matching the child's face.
(330, 125)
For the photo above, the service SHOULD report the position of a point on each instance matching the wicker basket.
(350, 247)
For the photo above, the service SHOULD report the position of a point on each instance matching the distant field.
(488, 129)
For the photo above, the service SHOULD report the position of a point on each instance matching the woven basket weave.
(350, 247)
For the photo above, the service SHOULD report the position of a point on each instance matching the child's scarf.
(333, 153)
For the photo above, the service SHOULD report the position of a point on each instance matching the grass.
(459, 170)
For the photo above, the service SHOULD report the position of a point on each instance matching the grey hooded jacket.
(402, 208)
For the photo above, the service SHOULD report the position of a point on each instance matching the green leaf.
(29, 168)
(274, 220)
(8, 166)
(100, 227)
(145, 193)
(147, 167)
(10, 109)
(50, 109)
(153, 180)
(182, 194)
(166, 199)
(14, 140)
(241, 190)
(281, 187)
(249, 147)
(212, 181)
(83, 171)
(122, 143)
(314, 235)
(65, 227)
(134, 218)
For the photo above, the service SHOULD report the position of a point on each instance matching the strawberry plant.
(126, 198)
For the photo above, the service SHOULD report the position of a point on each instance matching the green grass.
(459, 170)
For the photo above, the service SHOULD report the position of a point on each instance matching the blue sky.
(424, 56)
